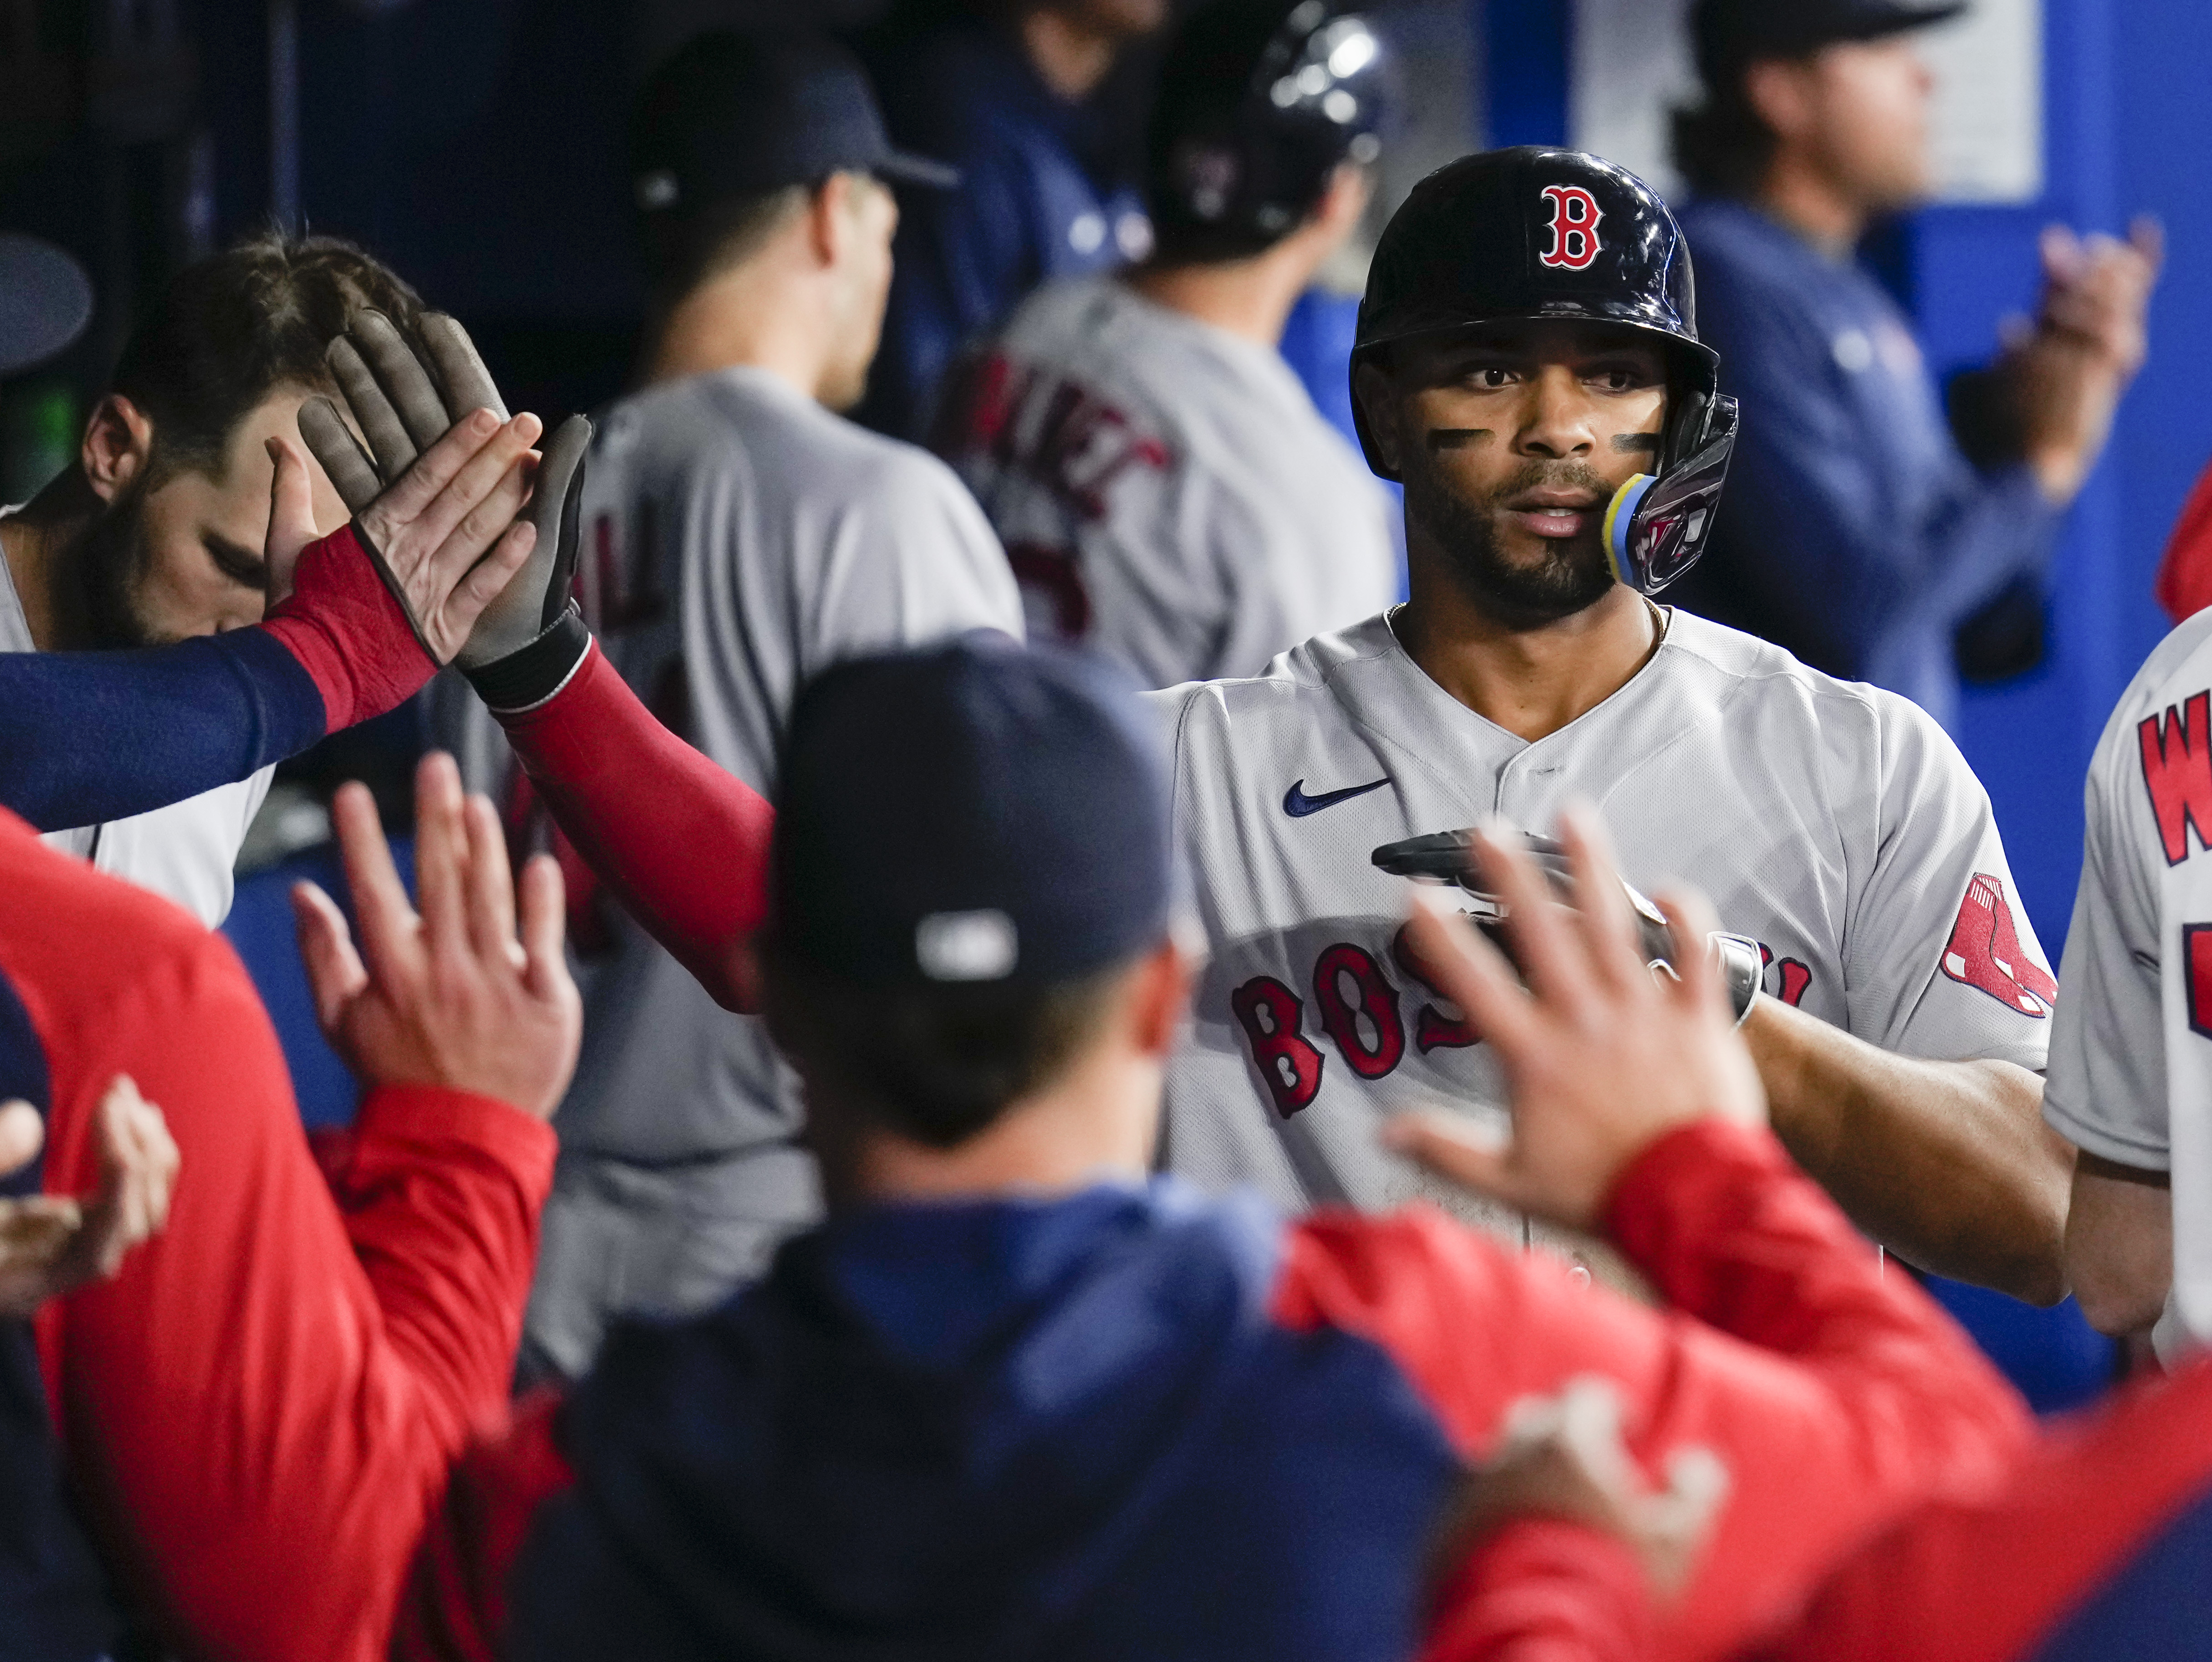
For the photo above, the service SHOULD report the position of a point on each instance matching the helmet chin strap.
(1657, 524)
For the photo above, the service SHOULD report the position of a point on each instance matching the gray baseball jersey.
(1833, 822)
(2131, 1055)
(185, 852)
(738, 538)
(1166, 491)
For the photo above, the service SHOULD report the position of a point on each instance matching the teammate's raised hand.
(408, 398)
(50, 1244)
(448, 997)
(1601, 1055)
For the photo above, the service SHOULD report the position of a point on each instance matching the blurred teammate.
(1856, 533)
(1012, 1398)
(1528, 360)
(1023, 97)
(739, 535)
(1166, 491)
(2131, 1059)
(155, 533)
(254, 1414)
(2093, 1546)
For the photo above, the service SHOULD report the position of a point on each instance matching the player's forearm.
(2119, 1244)
(92, 736)
(1947, 1164)
(683, 842)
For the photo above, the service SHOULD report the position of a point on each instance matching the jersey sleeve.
(1835, 1396)
(267, 1397)
(90, 736)
(2108, 1088)
(1941, 961)
(909, 559)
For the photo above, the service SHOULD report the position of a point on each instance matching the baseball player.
(1529, 366)
(2132, 1062)
(1526, 363)
(1167, 492)
(738, 535)
(157, 535)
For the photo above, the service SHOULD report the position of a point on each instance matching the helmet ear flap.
(1688, 424)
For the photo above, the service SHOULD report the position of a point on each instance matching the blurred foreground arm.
(261, 1409)
(1636, 1108)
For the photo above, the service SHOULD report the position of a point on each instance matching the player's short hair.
(230, 330)
(682, 251)
(936, 1062)
(1723, 146)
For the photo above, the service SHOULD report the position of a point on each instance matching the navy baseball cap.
(731, 116)
(1730, 34)
(45, 300)
(981, 812)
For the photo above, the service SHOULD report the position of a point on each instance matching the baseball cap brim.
(45, 300)
(1904, 18)
(908, 169)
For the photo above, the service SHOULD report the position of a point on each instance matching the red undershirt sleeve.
(680, 839)
(1837, 1396)
(260, 1410)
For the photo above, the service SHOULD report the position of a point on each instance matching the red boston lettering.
(1432, 1029)
(1340, 1016)
(1271, 1014)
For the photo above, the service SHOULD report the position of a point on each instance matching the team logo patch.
(1575, 215)
(1984, 952)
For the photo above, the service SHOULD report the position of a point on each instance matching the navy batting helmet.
(1259, 102)
(1538, 234)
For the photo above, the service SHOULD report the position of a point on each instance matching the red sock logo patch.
(1984, 952)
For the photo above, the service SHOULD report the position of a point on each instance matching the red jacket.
(260, 1410)
(1839, 1397)
(1995, 1578)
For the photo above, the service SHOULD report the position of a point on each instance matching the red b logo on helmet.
(1575, 215)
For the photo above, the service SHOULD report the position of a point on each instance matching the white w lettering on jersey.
(1833, 822)
(2131, 1057)
(1167, 492)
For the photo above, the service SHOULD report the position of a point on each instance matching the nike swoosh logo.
(1298, 805)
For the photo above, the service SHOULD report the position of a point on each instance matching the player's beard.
(109, 560)
(1571, 575)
